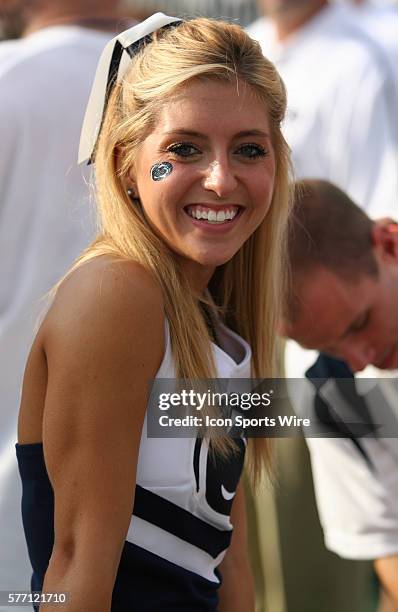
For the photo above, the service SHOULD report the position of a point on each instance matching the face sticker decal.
(161, 171)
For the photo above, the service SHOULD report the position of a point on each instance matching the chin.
(390, 361)
(213, 260)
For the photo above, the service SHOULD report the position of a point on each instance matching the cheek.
(262, 189)
(381, 323)
(161, 197)
(170, 189)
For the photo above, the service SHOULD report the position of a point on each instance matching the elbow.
(86, 556)
(63, 558)
(85, 577)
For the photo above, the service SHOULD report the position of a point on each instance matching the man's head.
(23, 5)
(290, 15)
(17, 14)
(275, 8)
(12, 17)
(344, 279)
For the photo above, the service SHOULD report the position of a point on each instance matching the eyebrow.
(354, 324)
(194, 134)
(322, 343)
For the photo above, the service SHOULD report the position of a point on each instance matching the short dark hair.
(327, 229)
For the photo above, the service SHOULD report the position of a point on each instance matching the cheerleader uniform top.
(180, 528)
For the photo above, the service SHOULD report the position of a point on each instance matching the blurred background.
(243, 10)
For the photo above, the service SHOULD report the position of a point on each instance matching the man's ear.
(385, 238)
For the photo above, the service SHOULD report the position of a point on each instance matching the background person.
(341, 122)
(45, 217)
(11, 24)
(343, 302)
(184, 186)
(380, 21)
(342, 126)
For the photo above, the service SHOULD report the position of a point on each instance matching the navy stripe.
(111, 80)
(196, 459)
(179, 522)
(139, 44)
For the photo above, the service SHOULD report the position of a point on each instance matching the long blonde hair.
(250, 286)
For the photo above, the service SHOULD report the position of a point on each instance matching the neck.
(198, 276)
(109, 21)
(289, 22)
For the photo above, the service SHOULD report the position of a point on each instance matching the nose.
(358, 357)
(220, 178)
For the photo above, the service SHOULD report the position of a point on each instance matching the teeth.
(211, 216)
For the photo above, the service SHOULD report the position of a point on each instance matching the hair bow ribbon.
(112, 66)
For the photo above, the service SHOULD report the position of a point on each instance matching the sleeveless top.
(180, 528)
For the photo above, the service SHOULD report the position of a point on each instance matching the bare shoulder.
(106, 282)
(103, 341)
(107, 301)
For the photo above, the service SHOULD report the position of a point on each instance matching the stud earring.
(133, 197)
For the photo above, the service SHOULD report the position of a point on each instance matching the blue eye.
(183, 149)
(252, 151)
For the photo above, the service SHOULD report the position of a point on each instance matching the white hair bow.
(112, 66)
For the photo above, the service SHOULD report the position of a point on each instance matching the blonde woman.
(192, 191)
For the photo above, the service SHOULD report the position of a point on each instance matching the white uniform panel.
(166, 468)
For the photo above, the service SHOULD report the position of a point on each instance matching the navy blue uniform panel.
(37, 509)
(159, 586)
(144, 583)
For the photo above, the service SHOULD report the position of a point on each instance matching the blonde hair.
(250, 286)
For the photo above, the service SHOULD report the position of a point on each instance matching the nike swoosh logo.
(226, 494)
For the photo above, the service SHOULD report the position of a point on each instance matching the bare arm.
(387, 571)
(103, 341)
(237, 590)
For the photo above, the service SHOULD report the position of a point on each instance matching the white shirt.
(45, 222)
(341, 122)
(7, 47)
(381, 24)
(356, 484)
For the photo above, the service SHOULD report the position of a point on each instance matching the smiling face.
(356, 322)
(217, 138)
